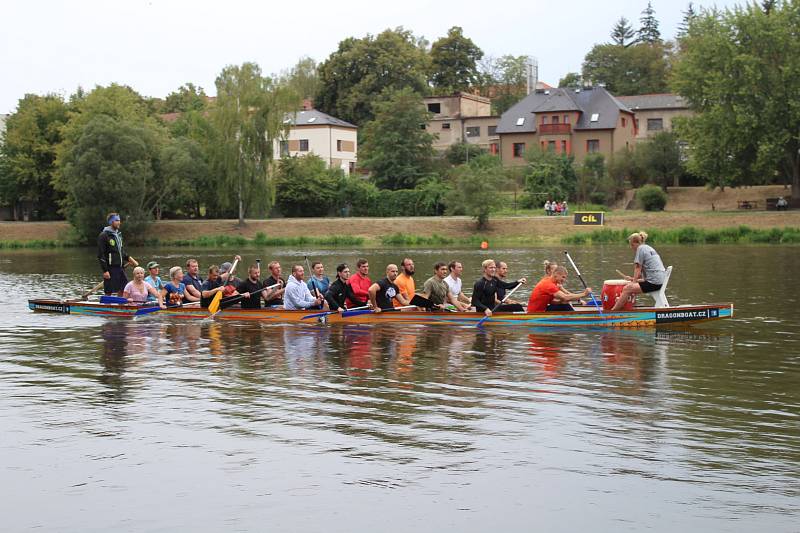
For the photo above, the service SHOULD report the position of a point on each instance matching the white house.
(312, 131)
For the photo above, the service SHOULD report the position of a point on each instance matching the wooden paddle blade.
(213, 307)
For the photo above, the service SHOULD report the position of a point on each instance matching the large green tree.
(111, 165)
(661, 159)
(188, 97)
(623, 34)
(305, 186)
(249, 117)
(303, 78)
(474, 189)
(360, 69)
(740, 72)
(639, 69)
(454, 62)
(648, 31)
(28, 154)
(396, 148)
(504, 79)
(549, 176)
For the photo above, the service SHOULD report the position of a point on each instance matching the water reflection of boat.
(584, 318)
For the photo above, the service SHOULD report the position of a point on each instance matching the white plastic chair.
(660, 296)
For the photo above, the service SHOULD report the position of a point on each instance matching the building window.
(636, 123)
(473, 131)
(519, 149)
(445, 125)
(592, 146)
(566, 119)
(624, 122)
(284, 148)
(494, 148)
(352, 167)
(492, 131)
(544, 120)
(564, 147)
(595, 117)
(555, 119)
(304, 145)
(655, 124)
(339, 146)
(521, 121)
(435, 108)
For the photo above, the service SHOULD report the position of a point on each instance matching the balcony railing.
(555, 129)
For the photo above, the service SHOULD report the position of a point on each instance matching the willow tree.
(249, 117)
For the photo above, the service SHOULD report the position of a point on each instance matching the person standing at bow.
(113, 257)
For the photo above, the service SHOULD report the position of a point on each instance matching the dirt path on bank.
(527, 227)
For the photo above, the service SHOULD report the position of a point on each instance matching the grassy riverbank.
(665, 227)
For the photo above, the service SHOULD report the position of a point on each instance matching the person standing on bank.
(113, 257)
(648, 270)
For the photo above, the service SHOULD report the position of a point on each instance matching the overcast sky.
(155, 46)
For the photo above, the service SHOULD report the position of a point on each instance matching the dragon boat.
(582, 317)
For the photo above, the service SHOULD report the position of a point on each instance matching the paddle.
(356, 312)
(326, 313)
(148, 310)
(597, 305)
(213, 307)
(89, 292)
(239, 297)
(108, 299)
(496, 307)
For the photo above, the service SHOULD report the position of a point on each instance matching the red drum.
(612, 289)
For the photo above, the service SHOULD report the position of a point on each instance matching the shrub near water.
(651, 198)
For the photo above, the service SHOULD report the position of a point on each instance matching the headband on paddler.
(113, 218)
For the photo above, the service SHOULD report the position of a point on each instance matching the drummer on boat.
(648, 270)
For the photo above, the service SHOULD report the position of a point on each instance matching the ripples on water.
(157, 424)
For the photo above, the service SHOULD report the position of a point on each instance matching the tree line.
(110, 148)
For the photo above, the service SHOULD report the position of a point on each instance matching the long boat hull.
(587, 317)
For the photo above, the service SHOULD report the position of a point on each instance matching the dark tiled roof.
(589, 102)
(654, 101)
(315, 118)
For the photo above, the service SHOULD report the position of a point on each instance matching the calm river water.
(157, 425)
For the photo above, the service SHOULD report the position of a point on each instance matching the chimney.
(532, 73)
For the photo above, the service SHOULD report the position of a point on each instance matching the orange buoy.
(484, 245)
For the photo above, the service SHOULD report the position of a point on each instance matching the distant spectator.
(781, 204)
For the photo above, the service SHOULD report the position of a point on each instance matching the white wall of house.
(337, 146)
